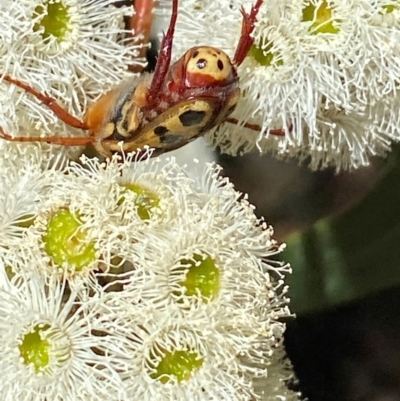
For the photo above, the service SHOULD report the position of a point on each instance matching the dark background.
(351, 351)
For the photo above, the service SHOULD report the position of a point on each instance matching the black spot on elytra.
(195, 54)
(220, 65)
(201, 63)
(160, 130)
(191, 117)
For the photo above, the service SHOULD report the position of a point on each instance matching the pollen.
(321, 17)
(66, 242)
(181, 364)
(202, 278)
(54, 22)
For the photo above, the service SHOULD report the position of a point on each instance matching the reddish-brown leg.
(55, 140)
(48, 101)
(140, 24)
(164, 57)
(246, 40)
(255, 127)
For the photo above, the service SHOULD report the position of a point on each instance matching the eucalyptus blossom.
(127, 278)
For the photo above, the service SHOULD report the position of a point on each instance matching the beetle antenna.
(164, 57)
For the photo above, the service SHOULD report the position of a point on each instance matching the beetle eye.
(201, 63)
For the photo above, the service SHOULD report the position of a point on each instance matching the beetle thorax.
(202, 72)
(207, 66)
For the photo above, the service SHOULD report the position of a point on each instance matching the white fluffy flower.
(150, 193)
(185, 360)
(171, 275)
(310, 61)
(50, 343)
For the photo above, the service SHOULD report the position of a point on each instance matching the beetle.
(165, 111)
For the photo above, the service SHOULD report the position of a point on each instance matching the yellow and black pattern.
(178, 125)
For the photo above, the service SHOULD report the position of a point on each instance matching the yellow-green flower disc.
(202, 277)
(389, 8)
(181, 364)
(323, 22)
(146, 200)
(55, 20)
(34, 349)
(66, 242)
(263, 57)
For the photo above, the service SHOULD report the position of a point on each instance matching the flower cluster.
(325, 71)
(128, 280)
(72, 50)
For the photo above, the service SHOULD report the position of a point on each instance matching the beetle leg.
(246, 40)
(256, 127)
(140, 25)
(48, 101)
(164, 57)
(54, 140)
(277, 132)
